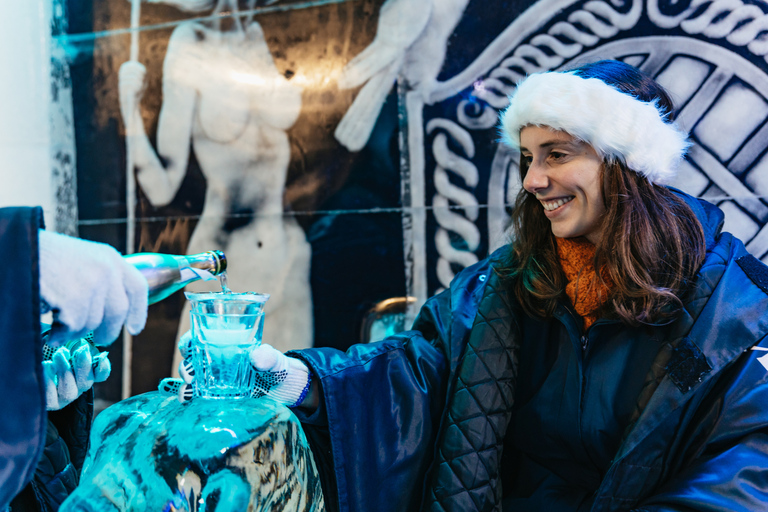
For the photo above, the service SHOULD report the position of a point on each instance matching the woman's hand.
(181, 388)
(284, 379)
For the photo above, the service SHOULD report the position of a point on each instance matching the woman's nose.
(535, 178)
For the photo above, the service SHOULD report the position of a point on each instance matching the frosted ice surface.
(757, 177)
(738, 111)
(150, 452)
(690, 179)
(737, 221)
(683, 76)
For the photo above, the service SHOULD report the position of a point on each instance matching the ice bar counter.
(151, 452)
(221, 451)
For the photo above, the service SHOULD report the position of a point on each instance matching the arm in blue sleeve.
(381, 405)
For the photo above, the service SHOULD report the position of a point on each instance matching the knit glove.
(89, 287)
(181, 388)
(284, 379)
(67, 376)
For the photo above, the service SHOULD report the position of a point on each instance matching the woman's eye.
(557, 155)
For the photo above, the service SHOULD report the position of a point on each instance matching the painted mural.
(345, 152)
(224, 99)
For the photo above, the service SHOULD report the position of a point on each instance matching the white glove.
(65, 381)
(285, 379)
(89, 287)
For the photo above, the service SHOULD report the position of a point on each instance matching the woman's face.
(564, 174)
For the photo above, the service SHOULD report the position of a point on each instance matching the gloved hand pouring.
(89, 287)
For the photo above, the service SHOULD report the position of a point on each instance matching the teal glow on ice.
(151, 452)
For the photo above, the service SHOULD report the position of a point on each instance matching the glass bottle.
(168, 273)
(165, 274)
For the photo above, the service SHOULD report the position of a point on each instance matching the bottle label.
(189, 274)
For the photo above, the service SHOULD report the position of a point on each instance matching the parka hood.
(710, 216)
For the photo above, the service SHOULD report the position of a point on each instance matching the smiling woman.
(599, 361)
(596, 144)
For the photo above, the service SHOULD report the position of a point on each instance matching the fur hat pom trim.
(616, 124)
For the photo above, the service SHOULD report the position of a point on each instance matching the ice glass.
(221, 345)
(228, 303)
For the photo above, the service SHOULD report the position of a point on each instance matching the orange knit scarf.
(586, 292)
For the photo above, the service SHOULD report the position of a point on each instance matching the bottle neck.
(211, 261)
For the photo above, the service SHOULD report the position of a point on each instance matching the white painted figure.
(224, 97)
(411, 37)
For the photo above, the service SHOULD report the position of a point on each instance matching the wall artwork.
(346, 152)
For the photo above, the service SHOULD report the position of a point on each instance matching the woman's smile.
(550, 205)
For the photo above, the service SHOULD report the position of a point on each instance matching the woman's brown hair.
(651, 247)
(651, 243)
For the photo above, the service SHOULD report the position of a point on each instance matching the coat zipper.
(584, 342)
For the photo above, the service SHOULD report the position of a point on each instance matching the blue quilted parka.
(423, 420)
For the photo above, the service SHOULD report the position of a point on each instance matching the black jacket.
(40, 453)
(22, 391)
(419, 420)
(58, 470)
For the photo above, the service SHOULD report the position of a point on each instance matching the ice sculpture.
(151, 452)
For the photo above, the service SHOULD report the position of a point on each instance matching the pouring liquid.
(223, 281)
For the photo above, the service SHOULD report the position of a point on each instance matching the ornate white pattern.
(595, 21)
(738, 23)
(447, 217)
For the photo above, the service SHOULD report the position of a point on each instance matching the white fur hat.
(616, 124)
